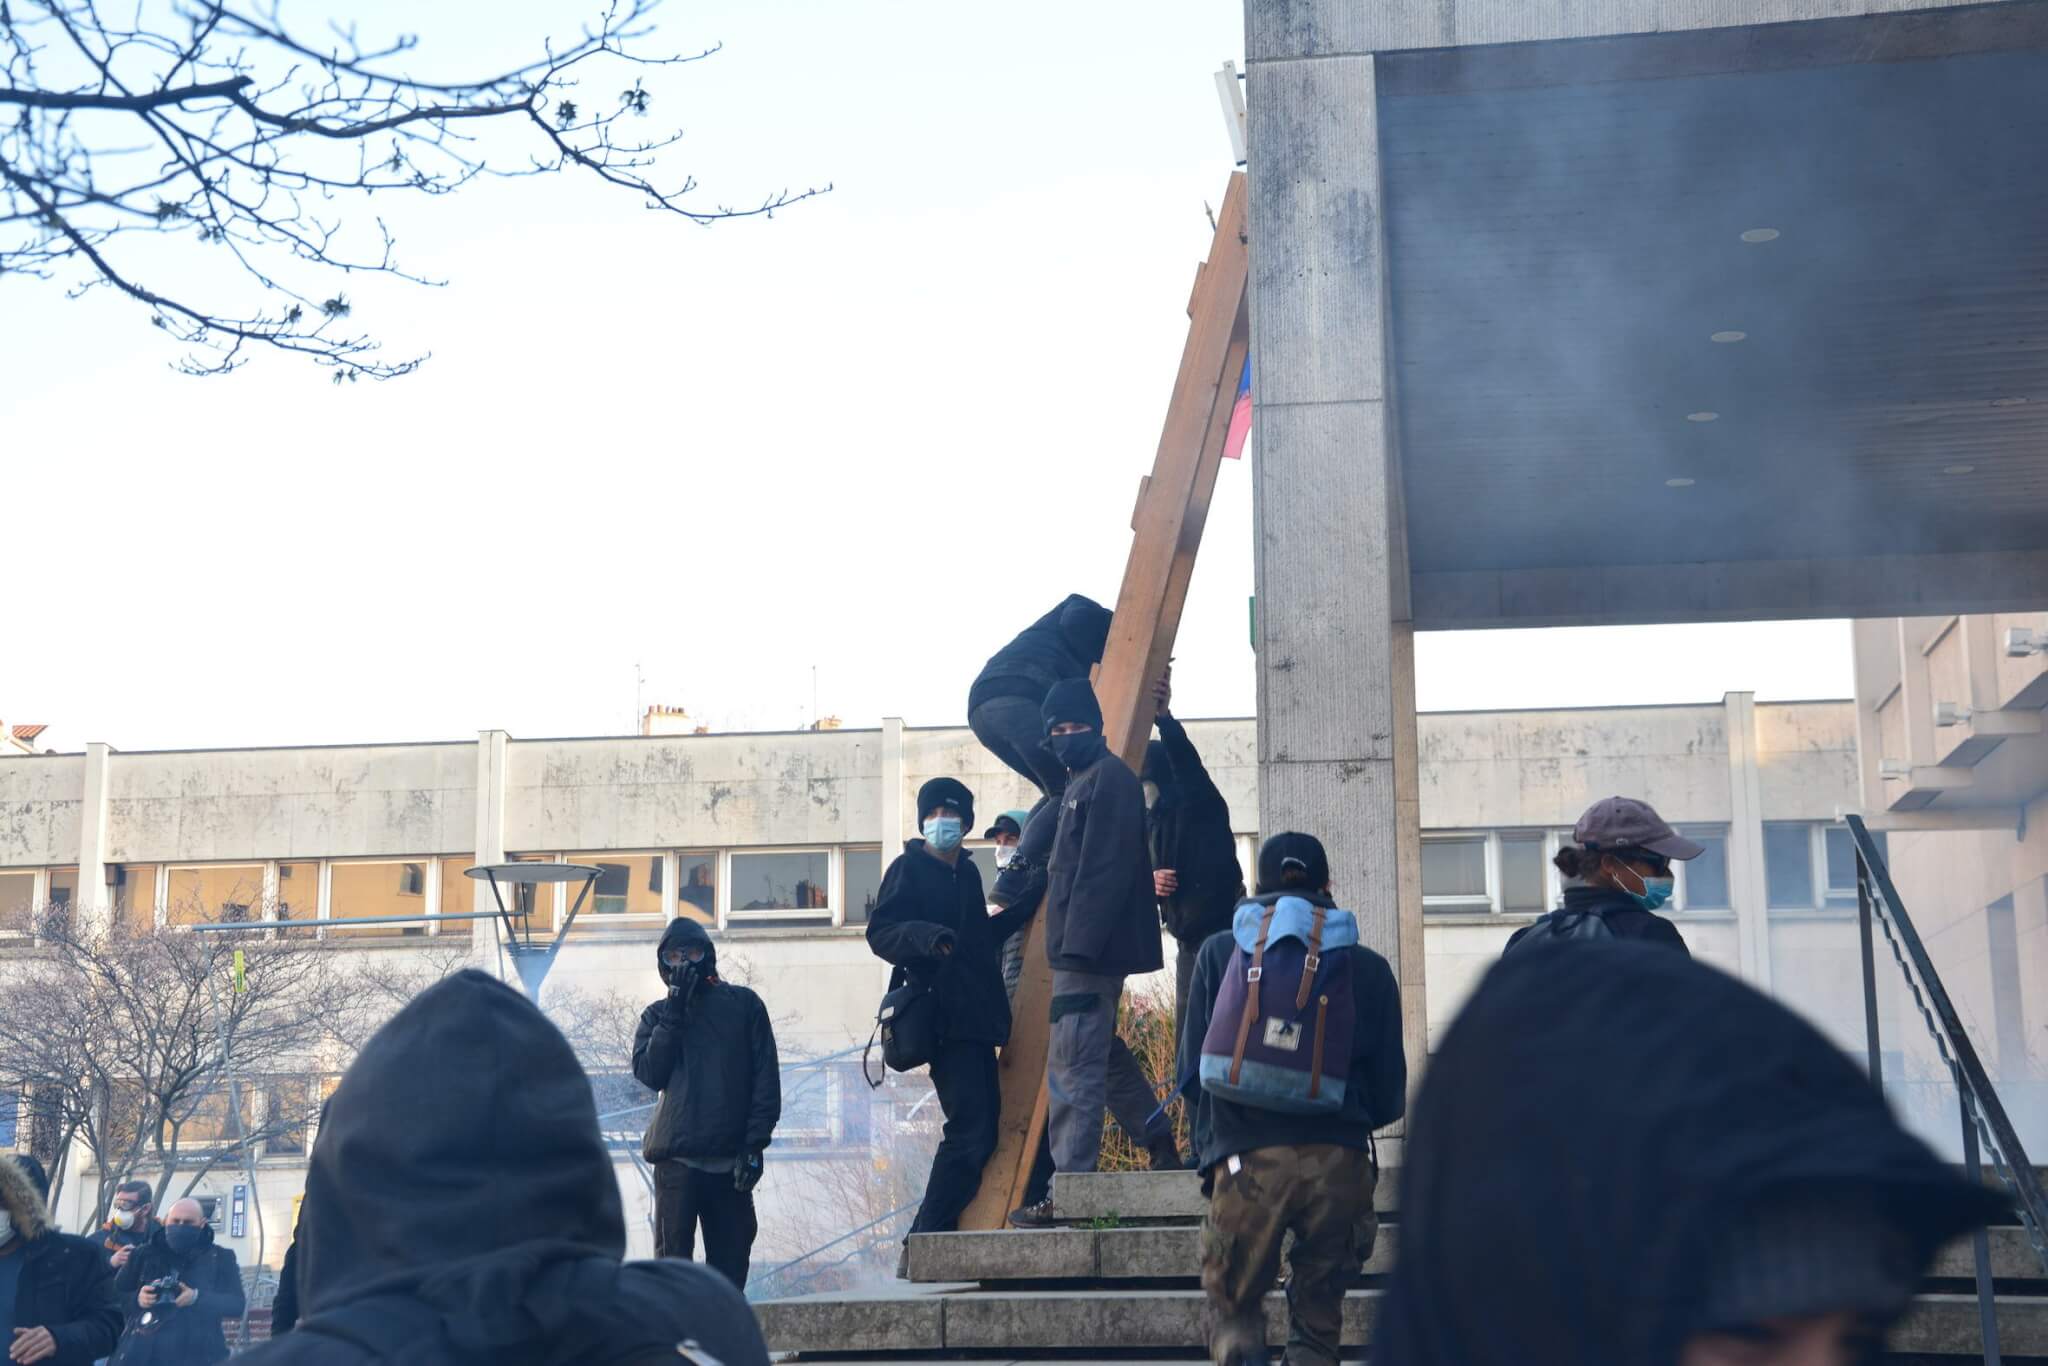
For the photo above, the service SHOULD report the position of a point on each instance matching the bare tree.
(216, 122)
(150, 1049)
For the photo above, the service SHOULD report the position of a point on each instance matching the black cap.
(946, 792)
(1288, 849)
(1071, 699)
(1006, 824)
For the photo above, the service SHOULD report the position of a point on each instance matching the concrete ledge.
(1123, 1254)
(1157, 1195)
(999, 1323)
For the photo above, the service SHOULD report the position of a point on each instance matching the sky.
(819, 464)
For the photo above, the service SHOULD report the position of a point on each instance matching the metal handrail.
(1982, 1113)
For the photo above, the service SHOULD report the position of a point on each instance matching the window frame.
(672, 882)
(842, 899)
(266, 897)
(831, 917)
(1681, 897)
(666, 859)
(1546, 840)
(430, 896)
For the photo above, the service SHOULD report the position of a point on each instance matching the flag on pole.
(1240, 416)
(241, 973)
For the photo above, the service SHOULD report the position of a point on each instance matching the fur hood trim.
(18, 1195)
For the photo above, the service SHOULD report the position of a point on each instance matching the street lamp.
(532, 960)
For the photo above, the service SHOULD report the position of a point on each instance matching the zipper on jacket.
(1315, 1075)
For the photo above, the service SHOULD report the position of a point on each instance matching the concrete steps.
(1119, 1281)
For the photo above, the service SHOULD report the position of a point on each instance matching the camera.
(166, 1288)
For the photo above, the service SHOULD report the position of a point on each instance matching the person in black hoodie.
(1195, 872)
(1622, 1157)
(1002, 706)
(1616, 877)
(1102, 925)
(1269, 1173)
(709, 1048)
(185, 1329)
(57, 1305)
(462, 1207)
(931, 923)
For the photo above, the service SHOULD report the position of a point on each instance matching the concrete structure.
(778, 840)
(1579, 312)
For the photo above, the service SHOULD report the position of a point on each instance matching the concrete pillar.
(1748, 888)
(891, 805)
(1336, 703)
(95, 907)
(490, 843)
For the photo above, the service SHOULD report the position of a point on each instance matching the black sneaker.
(1034, 1216)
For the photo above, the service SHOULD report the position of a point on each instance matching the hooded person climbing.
(1002, 706)
(709, 1049)
(1195, 873)
(462, 1207)
(57, 1305)
(1621, 1157)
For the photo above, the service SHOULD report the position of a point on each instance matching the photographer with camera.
(708, 1048)
(176, 1289)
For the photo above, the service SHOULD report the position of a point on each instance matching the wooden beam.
(1173, 505)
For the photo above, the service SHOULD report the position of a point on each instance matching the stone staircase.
(1118, 1282)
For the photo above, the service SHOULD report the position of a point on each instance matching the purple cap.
(1625, 823)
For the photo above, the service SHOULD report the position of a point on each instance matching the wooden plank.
(1166, 531)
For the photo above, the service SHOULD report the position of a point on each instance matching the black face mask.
(1080, 750)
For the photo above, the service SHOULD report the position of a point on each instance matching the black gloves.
(746, 1171)
(681, 988)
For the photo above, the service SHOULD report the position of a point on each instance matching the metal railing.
(1986, 1128)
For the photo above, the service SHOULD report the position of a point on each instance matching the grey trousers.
(1077, 1065)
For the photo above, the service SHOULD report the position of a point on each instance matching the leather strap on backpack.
(1251, 996)
(1314, 960)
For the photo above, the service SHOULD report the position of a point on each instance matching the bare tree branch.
(248, 136)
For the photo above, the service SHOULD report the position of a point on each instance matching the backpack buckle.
(1312, 962)
(1254, 974)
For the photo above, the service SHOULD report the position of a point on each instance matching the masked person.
(57, 1303)
(176, 1290)
(130, 1221)
(709, 1049)
(931, 924)
(1286, 1148)
(462, 1207)
(1617, 874)
(1195, 872)
(1003, 704)
(1621, 1157)
(1101, 927)
(1004, 834)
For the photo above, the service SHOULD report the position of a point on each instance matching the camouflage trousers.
(1320, 1193)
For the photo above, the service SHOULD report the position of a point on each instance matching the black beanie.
(1807, 1253)
(1072, 699)
(1291, 846)
(946, 792)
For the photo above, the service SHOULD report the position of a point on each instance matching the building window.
(298, 891)
(1703, 882)
(135, 896)
(626, 884)
(697, 887)
(863, 883)
(363, 891)
(1454, 874)
(533, 905)
(207, 1125)
(289, 1105)
(787, 887)
(63, 890)
(1524, 884)
(458, 891)
(215, 894)
(1839, 856)
(10, 1119)
(17, 902)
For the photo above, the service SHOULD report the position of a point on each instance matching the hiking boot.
(1034, 1216)
(1164, 1155)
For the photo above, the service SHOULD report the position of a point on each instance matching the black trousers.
(970, 1095)
(685, 1197)
(1013, 729)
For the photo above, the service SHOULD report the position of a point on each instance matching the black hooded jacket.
(924, 903)
(65, 1283)
(462, 1206)
(1594, 1120)
(1188, 830)
(1059, 645)
(1101, 913)
(715, 1063)
(191, 1334)
(1623, 914)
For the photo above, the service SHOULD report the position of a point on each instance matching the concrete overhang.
(1572, 215)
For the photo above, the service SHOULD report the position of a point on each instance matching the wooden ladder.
(1173, 505)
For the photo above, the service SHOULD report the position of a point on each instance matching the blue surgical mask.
(943, 833)
(1656, 891)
